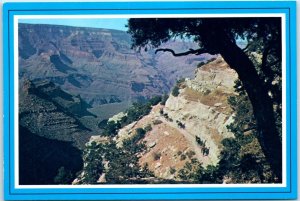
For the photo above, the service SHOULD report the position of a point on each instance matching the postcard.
(150, 100)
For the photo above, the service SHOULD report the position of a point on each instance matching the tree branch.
(245, 48)
(249, 129)
(274, 63)
(264, 57)
(191, 51)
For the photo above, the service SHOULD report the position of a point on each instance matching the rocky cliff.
(190, 125)
(47, 111)
(202, 105)
(98, 64)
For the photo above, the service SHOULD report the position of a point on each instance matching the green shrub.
(190, 154)
(148, 128)
(181, 80)
(211, 60)
(206, 92)
(164, 99)
(182, 157)
(102, 124)
(140, 132)
(63, 176)
(200, 64)
(156, 122)
(155, 100)
(111, 128)
(156, 156)
(172, 170)
(175, 91)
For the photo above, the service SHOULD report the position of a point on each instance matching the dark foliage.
(175, 91)
(195, 173)
(93, 160)
(164, 99)
(111, 128)
(242, 159)
(123, 166)
(102, 124)
(63, 176)
(148, 128)
(155, 100)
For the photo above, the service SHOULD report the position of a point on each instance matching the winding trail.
(205, 160)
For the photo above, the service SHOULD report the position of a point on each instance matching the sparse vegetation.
(182, 157)
(190, 154)
(148, 128)
(156, 156)
(164, 99)
(200, 64)
(206, 92)
(175, 91)
(155, 100)
(134, 113)
(199, 141)
(172, 170)
(140, 132)
(211, 60)
(202, 144)
(63, 176)
(156, 122)
(180, 81)
(161, 111)
(180, 124)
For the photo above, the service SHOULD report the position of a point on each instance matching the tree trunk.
(268, 135)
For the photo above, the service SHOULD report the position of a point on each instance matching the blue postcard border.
(286, 7)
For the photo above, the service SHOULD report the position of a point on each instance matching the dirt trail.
(191, 139)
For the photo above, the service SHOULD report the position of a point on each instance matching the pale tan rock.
(102, 178)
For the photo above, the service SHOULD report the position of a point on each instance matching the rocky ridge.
(199, 111)
(52, 117)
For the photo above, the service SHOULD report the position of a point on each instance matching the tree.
(63, 176)
(155, 100)
(175, 91)
(219, 36)
(111, 128)
(164, 99)
(93, 163)
(242, 159)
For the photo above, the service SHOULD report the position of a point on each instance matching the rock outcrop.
(202, 105)
(190, 125)
(47, 111)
